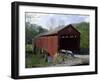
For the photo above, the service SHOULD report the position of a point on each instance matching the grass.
(36, 60)
(40, 60)
(33, 60)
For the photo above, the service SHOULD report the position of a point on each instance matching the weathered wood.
(67, 38)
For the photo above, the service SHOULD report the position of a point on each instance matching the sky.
(51, 21)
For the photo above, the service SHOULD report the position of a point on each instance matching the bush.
(28, 48)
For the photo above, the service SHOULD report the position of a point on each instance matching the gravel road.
(75, 61)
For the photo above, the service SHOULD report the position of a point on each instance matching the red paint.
(54, 41)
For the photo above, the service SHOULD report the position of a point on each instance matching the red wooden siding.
(52, 45)
(48, 43)
(66, 38)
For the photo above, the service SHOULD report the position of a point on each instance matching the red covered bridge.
(66, 37)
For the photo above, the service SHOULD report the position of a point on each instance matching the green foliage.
(35, 60)
(31, 30)
(83, 28)
(28, 48)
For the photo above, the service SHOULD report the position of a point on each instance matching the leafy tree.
(31, 30)
(83, 28)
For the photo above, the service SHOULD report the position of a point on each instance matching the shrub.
(28, 48)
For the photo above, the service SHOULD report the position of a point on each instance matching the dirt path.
(77, 60)
(82, 56)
